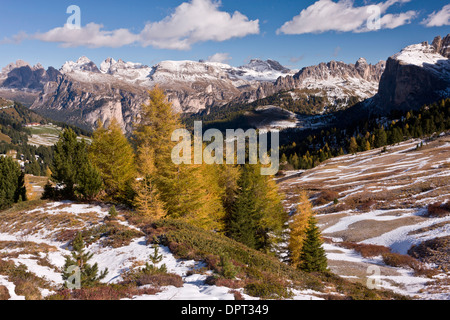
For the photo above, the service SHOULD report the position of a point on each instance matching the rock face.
(83, 103)
(339, 82)
(442, 46)
(418, 75)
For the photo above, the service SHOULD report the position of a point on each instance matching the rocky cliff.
(418, 75)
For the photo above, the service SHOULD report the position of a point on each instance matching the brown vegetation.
(366, 250)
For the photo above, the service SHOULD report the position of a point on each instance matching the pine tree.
(258, 216)
(12, 183)
(242, 225)
(298, 228)
(71, 167)
(89, 276)
(113, 155)
(313, 257)
(90, 182)
(66, 161)
(380, 138)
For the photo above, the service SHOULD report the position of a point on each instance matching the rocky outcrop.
(84, 103)
(418, 75)
(442, 46)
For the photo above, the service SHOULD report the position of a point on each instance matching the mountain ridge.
(83, 93)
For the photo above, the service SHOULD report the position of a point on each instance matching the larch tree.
(298, 228)
(353, 146)
(113, 155)
(185, 191)
(147, 199)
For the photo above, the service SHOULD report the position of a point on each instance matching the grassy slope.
(261, 274)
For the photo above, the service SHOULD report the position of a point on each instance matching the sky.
(297, 33)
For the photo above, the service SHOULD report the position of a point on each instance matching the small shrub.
(237, 295)
(112, 233)
(228, 269)
(113, 212)
(4, 293)
(423, 271)
(400, 261)
(267, 290)
(222, 282)
(367, 205)
(327, 196)
(28, 289)
(366, 250)
(438, 210)
(66, 235)
(109, 292)
(160, 280)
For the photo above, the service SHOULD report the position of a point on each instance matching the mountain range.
(80, 92)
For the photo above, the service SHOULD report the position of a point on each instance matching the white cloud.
(438, 19)
(190, 23)
(344, 16)
(197, 21)
(220, 57)
(91, 36)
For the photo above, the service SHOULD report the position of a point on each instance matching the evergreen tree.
(12, 183)
(380, 138)
(89, 276)
(243, 225)
(258, 216)
(90, 182)
(66, 161)
(71, 167)
(313, 257)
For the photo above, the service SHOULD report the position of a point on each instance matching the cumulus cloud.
(438, 19)
(220, 57)
(197, 21)
(191, 22)
(92, 36)
(344, 16)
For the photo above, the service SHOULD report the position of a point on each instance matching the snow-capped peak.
(419, 54)
(82, 64)
(265, 66)
(111, 66)
(83, 60)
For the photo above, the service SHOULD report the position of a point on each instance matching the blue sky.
(296, 33)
